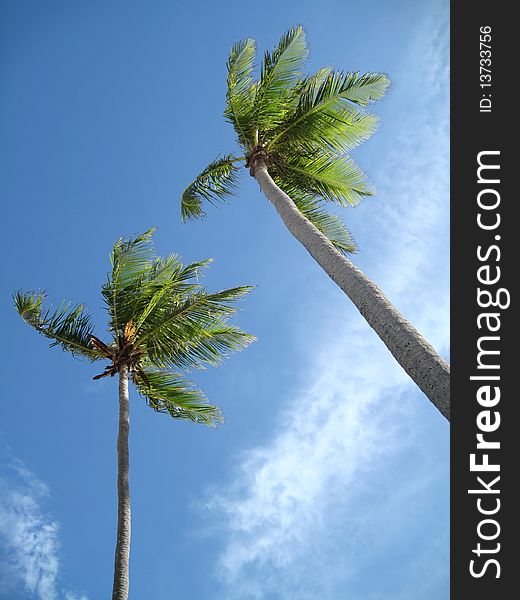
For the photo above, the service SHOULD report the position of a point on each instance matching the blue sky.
(329, 478)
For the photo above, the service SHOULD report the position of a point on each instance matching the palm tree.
(296, 133)
(160, 321)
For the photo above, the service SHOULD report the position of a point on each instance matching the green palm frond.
(280, 74)
(308, 82)
(67, 325)
(130, 258)
(167, 281)
(192, 331)
(328, 112)
(218, 180)
(240, 89)
(329, 224)
(199, 346)
(331, 177)
(366, 88)
(340, 131)
(175, 322)
(168, 393)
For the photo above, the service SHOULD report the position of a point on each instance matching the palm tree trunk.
(417, 357)
(121, 582)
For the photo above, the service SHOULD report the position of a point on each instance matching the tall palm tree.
(296, 132)
(161, 322)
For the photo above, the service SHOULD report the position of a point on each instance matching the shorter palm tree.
(162, 322)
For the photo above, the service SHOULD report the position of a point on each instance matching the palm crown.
(302, 127)
(162, 323)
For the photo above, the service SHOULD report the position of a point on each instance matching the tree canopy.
(304, 125)
(161, 323)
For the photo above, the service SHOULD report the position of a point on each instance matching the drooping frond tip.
(218, 180)
(67, 325)
(169, 393)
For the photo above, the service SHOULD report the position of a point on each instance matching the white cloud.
(29, 537)
(350, 415)
(283, 490)
(346, 421)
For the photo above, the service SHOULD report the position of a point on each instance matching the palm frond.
(67, 325)
(333, 178)
(279, 76)
(340, 131)
(168, 393)
(192, 331)
(130, 258)
(328, 112)
(195, 346)
(363, 89)
(240, 89)
(309, 82)
(218, 180)
(167, 282)
(163, 269)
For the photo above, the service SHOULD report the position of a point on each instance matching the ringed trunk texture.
(121, 581)
(417, 357)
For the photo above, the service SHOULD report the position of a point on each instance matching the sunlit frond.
(331, 177)
(240, 89)
(67, 325)
(207, 345)
(218, 180)
(192, 331)
(366, 88)
(326, 114)
(167, 281)
(280, 74)
(130, 258)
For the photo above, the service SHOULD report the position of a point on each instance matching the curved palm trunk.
(120, 590)
(417, 357)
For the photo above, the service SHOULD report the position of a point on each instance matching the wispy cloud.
(29, 537)
(283, 493)
(312, 511)
(329, 467)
